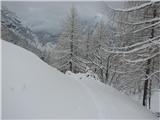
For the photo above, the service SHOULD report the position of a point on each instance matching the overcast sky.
(49, 15)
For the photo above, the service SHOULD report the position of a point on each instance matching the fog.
(49, 15)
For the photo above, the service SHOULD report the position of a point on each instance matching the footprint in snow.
(12, 88)
(24, 87)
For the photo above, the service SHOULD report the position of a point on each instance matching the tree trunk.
(88, 45)
(71, 44)
(70, 66)
(147, 83)
(150, 87)
(106, 77)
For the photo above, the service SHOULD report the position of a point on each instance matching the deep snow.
(33, 89)
(155, 101)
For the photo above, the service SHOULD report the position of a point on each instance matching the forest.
(122, 50)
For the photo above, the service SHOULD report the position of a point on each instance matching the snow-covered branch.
(139, 22)
(149, 26)
(132, 9)
(141, 59)
(128, 71)
(153, 74)
(132, 48)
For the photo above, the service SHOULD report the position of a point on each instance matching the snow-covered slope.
(32, 89)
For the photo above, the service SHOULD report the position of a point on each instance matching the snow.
(155, 101)
(142, 59)
(140, 22)
(132, 48)
(146, 27)
(136, 7)
(33, 89)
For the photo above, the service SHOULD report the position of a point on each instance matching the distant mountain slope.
(12, 22)
(45, 37)
(31, 89)
(14, 31)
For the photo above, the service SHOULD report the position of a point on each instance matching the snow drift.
(33, 89)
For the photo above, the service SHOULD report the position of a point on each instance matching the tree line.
(123, 51)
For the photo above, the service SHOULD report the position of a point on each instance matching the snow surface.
(33, 89)
(155, 101)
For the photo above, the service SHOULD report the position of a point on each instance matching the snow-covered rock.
(33, 89)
